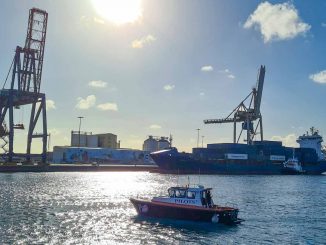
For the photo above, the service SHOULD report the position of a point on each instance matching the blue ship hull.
(211, 161)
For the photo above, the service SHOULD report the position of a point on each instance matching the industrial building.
(88, 139)
(108, 140)
(67, 154)
(87, 147)
(156, 143)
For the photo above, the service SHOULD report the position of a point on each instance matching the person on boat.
(209, 198)
(203, 200)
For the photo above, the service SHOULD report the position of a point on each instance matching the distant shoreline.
(10, 168)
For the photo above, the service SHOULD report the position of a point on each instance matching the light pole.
(198, 137)
(202, 141)
(80, 119)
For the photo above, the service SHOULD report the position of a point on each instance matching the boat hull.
(291, 171)
(223, 215)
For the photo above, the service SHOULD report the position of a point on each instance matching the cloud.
(319, 77)
(231, 76)
(277, 22)
(102, 84)
(155, 126)
(169, 87)
(201, 93)
(84, 104)
(97, 20)
(323, 24)
(288, 140)
(97, 84)
(54, 132)
(88, 21)
(85, 20)
(50, 105)
(207, 68)
(228, 73)
(108, 107)
(139, 43)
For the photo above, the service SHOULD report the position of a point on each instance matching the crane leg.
(261, 129)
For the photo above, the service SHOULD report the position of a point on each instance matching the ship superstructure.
(313, 141)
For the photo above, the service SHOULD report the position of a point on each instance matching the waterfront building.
(68, 154)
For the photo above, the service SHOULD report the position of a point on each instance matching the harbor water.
(94, 208)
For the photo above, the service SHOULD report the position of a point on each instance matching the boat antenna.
(293, 152)
(199, 176)
(178, 178)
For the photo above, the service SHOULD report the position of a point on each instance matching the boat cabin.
(194, 196)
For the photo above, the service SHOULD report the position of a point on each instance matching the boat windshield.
(180, 193)
(171, 192)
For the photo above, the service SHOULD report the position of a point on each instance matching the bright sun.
(119, 11)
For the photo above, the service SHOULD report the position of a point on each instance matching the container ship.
(253, 157)
(260, 157)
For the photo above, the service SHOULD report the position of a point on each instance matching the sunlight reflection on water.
(86, 208)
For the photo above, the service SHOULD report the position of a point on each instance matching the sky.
(160, 67)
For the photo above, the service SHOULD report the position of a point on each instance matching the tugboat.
(187, 203)
(292, 166)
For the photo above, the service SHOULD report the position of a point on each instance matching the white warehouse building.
(68, 154)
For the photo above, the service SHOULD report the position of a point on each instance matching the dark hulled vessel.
(260, 157)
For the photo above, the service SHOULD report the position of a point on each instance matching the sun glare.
(119, 11)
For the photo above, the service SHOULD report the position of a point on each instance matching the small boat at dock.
(187, 203)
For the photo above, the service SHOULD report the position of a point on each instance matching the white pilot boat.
(187, 203)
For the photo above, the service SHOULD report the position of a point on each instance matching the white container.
(277, 158)
(236, 156)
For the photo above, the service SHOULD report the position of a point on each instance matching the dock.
(13, 168)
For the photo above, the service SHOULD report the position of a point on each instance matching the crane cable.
(8, 73)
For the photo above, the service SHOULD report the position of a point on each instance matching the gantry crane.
(25, 86)
(247, 114)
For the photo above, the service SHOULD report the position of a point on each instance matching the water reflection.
(84, 208)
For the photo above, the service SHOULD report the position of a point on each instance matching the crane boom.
(34, 50)
(259, 91)
(247, 114)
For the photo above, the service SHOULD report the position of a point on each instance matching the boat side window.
(191, 194)
(180, 193)
(203, 198)
(171, 193)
